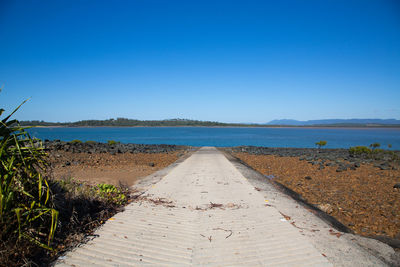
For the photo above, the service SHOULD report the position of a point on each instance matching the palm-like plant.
(26, 208)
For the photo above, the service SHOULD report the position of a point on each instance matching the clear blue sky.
(229, 61)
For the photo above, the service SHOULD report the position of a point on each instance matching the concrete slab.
(204, 212)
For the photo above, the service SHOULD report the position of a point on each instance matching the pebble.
(327, 208)
(341, 169)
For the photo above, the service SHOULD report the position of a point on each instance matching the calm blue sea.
(223, 137)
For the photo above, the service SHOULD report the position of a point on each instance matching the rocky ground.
(91, 147)
(113, 164)
(339, 158)
(361, 191)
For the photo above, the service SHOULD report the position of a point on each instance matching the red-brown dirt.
(363, 199)
(107, 168)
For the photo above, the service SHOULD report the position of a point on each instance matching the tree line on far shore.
(124, 122)
(127, 122)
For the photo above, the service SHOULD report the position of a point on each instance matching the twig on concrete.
(231, 232)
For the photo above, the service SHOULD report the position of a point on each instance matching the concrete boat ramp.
(205, 212)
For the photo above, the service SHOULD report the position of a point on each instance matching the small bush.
(102, 192)
(112, 142)
(76, 141)
(111, 194)
(374, 145)
(321, 143)
(358, 150)
(90, 142)
(378, 150)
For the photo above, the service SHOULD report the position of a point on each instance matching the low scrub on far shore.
(112, 142)
(374, 153)
(42, 216)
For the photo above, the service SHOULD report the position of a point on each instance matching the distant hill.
(123, 122)
(338, 122)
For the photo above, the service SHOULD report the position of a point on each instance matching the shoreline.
(117, 147)
(254, 149)
(252, 126)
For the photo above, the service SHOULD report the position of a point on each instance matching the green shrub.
(358, 150)
(112, 142)
(378, 150)
(90, 142)
(102, 192)
(76, 141)
(375, 145)
(26, 207)
(111, 194)
(321, 143)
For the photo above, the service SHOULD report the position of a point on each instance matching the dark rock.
(106, 148)
(385, 167)
(67, 163)
(341, 169)
(308, 178)
(397, 186)
(151, 164)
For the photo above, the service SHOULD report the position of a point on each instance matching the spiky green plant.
(25, 199)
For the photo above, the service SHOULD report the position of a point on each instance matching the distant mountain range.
(366, 122)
